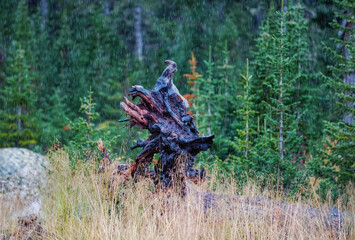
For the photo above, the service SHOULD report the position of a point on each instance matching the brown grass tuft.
(77, 206)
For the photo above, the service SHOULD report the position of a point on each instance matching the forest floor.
(80, 205)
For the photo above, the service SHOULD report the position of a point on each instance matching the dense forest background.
(273, 80)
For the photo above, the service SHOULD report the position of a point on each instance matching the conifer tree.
(225, 102)
(61, 71)
(263, 67)
(218, 93)
(283, 88)
(304, 91)
(18, 120)
(54, 128)
(336, 165)
(243, 142)
(274, 95)
(208, 96)
(18, 125)
(85, 134)
(194, 83)
(83, 128)
(226, 88)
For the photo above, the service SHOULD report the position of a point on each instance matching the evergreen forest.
(274, 80)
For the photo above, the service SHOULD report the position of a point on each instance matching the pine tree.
(54, 129)
(263, 67)
(225, 102)
(194, 83)
(208, 100)
(83, 129)
(337, 161)
(274, 89)
(218, 94)
(304, 92)
(18, 122)
(243, 142)
(19, 119)
(226, 88)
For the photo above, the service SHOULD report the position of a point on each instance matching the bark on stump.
(163, 112)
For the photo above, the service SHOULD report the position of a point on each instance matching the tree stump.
(163, 112)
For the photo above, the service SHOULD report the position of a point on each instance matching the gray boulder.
(22, 175)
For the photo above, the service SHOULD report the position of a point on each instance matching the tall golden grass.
(78, 205)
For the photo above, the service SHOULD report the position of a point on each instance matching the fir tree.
(226, 87)
(194, 83)
(303, 92)
(208, 96)
(274, 86)
(18, 94)
(83, 129)
(243, 142)
(54, 129)
(85, 133)
(336, 164)
(18, 120)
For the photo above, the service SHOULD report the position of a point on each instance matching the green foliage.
(335, 165)
(283, 88)
(84, 135)
(207, 90)
(272, 150)
(304, 90)
(50, 55)
(243, 141)
(18, 122)
(19, 119)
(217, 90)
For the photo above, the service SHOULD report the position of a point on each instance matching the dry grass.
(11, 206)
(78, 206)
(7, 221)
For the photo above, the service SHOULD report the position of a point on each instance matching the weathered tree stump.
(163, 111)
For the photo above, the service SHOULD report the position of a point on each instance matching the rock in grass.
(22, 175)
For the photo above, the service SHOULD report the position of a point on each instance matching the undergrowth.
(78, 204)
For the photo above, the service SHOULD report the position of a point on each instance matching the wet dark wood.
(163, 112)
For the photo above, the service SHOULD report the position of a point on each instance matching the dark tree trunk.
(163, 111)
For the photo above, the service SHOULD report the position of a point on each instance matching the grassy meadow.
(80, 205)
